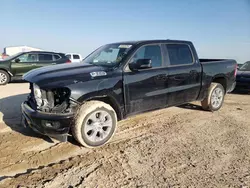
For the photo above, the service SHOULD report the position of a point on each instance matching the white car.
(74, 58)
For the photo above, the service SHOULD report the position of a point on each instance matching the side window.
(68, 56)
(76, 57)
(28, 58)
(152, 52)
(56, 57)
(45, 57)
(179, 54)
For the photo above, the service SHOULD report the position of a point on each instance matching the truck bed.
(218, 68)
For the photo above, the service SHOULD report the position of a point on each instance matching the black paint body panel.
(243, 81)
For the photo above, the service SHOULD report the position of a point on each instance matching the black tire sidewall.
(7, 75)
(210, 102)
(100, 143)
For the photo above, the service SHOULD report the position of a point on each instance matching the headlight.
(37, 95)
(37, 91)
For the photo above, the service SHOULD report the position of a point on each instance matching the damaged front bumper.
(51, 124)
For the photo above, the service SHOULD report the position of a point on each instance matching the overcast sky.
(218, 28)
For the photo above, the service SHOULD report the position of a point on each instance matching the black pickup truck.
(119, 80)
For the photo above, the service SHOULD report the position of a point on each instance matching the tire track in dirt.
(35, 160)
(136, 131)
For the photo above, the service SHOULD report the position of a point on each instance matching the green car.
(14, 67)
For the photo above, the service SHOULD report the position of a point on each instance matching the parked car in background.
(239, 65)
(74, 58)
(14, 67)
(243, 78)
(119, 80)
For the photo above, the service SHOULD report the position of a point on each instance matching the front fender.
(83, 91)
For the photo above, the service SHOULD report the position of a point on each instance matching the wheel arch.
(111, 101)
(3, 69)
(221, 80)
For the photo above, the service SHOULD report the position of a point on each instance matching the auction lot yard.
(175, 147)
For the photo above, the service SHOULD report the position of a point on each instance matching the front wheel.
(4, 77)
(215, 97)
(95, 124)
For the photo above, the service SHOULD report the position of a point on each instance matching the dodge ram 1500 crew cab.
(119, 80)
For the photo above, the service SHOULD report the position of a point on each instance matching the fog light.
(48, 124)
(51, 124)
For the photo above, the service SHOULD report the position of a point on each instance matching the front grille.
(53, 101)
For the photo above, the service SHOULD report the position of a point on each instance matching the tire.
(95, 124)
(215, 97)
(4, 77)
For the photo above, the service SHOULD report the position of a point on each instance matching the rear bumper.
(53, 125)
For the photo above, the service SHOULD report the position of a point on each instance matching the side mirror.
(17, 60)
(141, 64)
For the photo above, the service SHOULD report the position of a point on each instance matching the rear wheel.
(95, 124)
(4, 77)
(215, 97)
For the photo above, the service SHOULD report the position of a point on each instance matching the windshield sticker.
(125, 46)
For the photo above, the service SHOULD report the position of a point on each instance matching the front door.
(23, 63)
(145, 89)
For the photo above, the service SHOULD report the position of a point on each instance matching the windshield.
(13, 56)
(109, 55)
(245, 66)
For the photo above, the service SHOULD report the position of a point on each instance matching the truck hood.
(64, 74)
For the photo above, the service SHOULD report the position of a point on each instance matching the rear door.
(184, 74)
(26, 62)
(45, 59)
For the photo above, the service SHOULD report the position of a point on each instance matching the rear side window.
(68, 56)
(56, 57)
(45, 57)
(179, 54)
(76, 57)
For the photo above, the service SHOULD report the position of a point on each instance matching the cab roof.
(153, 41)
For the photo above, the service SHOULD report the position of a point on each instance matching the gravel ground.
(175, 147)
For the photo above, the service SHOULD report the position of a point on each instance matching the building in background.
(16, 49)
